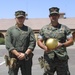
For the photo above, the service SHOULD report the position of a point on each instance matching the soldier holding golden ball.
(55, 52)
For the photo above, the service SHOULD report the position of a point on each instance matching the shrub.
(2, 41)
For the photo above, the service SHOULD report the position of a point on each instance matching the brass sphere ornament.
(52, 43)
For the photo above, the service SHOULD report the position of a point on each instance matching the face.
(20, 20)
(54, 18)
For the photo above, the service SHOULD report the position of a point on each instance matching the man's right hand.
(21, 56)
(46, 49)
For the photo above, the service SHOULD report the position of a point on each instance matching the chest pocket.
(55, 33)
(19, 34)
(23, 36)
(47, 34)
(19, 37)
(60, 34)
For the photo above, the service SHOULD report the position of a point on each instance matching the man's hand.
(60, 45)
(21, 56)
(46, 49)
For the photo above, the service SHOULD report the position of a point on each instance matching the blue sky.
(36, 8)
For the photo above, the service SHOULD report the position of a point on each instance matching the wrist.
(62, 45)
(26, 56)
(17, 54)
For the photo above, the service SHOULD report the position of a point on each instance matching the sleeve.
(68, 33)
(8, 40)
(40, 35)
(32, 42)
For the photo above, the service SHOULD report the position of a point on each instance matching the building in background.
(35, 23)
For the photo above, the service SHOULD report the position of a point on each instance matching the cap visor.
(20, 16)
(54, 13)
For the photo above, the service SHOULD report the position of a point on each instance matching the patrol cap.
(20, 13)
(54, 10)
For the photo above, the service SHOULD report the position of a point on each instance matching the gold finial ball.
(51, 43)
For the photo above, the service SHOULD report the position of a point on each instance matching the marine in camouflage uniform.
(20, 43)
(57, 59)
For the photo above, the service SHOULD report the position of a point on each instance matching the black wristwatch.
(26, 56)
(62, 45)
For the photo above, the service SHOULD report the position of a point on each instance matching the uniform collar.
(50, 26)
(58, 26)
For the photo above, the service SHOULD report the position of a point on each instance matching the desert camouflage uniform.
(56, 59)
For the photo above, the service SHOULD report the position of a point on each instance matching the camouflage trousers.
(56, 65)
